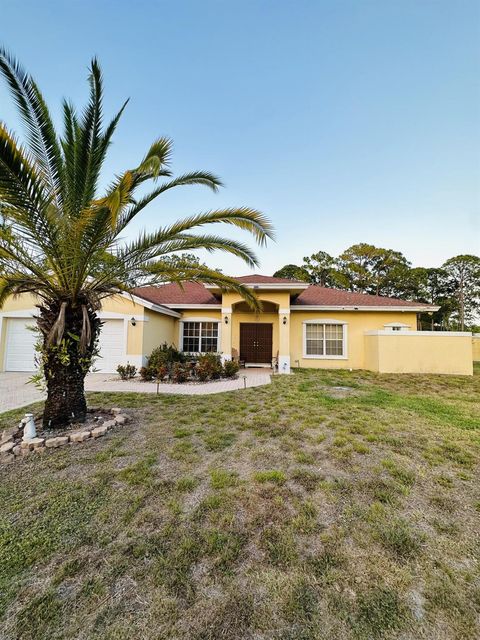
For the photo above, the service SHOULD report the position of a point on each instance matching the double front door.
(256, 342)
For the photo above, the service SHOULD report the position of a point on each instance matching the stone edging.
(12, 448)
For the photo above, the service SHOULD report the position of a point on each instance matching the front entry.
(256, 342)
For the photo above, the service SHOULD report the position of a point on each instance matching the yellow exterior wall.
(420, 352)
(357, 323)
(127, 307)
(281, 298)
(476, 347)
(157, 329)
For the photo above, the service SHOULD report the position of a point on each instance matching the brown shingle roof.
(325, 296)
(257, 279)
(189, 293)
(195, 293)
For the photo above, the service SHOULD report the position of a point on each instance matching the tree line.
(364, 268)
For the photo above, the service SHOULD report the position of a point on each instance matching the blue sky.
(343, 120)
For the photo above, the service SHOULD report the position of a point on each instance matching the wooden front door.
(256, 342)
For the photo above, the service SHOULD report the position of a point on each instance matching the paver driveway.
(15, 392)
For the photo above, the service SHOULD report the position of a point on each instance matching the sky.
(344, 121)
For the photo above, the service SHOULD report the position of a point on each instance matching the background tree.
(62, 241)
(293, 272)
(321, 268)
(370, 269)
(463, 273)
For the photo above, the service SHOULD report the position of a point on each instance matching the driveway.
(16, 392)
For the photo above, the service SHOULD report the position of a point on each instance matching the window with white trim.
(200, 337)
(324, 340)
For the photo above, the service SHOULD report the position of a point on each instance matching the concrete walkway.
(15, 392)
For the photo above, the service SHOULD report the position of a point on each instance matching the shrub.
(147, 374)
(180, 372)
(127, 371)
(165, 355)
(160, 362)
(202, 371)
(209, 367)
(162, 372)
(231, 368)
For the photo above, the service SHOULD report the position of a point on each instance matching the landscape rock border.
(13, 447)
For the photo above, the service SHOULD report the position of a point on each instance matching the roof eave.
(342, 307)
(172, 305)
(159, 308)
(279, 286)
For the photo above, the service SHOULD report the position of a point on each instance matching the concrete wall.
(419, 352)
(357, 323)
(476, 347)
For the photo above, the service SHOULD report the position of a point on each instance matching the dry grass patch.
(329, 504)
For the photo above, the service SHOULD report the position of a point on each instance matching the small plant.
(147, 374)
(231, 368)
(277, 477)
(162, 372)
(127, 371)
(180, 372)
(209, 367)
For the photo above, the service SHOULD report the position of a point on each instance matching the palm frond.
(146, 247)
(204, 178)
(243, 218)
(35, 115)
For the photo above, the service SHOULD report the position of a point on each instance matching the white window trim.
(325, 357)
(200, 319)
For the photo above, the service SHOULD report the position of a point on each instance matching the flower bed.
(167, 364)
(14, 445)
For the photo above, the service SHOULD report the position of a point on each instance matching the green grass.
(283, 512)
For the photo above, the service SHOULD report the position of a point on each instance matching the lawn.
(329, 505)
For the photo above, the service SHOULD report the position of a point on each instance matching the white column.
(226, 334)
(284, 341)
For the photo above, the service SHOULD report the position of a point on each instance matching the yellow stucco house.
(300, 325)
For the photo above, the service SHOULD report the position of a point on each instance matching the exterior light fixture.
(284, 320)
(226, 319)
(133, 321)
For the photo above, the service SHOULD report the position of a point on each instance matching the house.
(300, 325)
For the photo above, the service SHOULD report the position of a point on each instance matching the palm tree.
(61, 241)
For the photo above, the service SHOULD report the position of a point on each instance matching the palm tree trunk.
(65, 363)
(65, 401)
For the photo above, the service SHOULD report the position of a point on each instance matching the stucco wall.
(476, 347)
(419, 352)
(357, 323)
(157, 329)
(129, 309)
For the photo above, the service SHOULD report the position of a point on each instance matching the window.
(396, 326)
(200, 337)
(324, 340)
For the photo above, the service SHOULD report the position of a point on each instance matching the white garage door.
(112, 346)
(20, 345)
